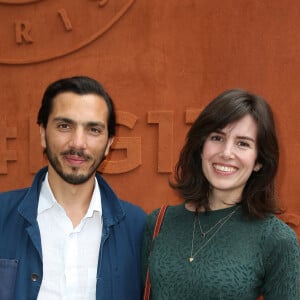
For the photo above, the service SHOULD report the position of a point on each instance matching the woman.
(224, 241)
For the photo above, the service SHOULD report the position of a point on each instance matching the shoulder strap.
(158, 223)
(159, 220)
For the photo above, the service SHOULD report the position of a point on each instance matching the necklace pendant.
(191, 259)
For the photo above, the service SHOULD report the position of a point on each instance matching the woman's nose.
(228, 151)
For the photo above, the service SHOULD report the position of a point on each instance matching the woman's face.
(229, 157)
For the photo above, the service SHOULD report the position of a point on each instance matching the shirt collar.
(47, 199)
(95, 204)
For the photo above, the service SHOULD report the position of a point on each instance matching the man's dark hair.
(80, 85)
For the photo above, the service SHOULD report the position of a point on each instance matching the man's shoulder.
(18, 194)
(10, 202)
(13, 195)
(132, 209)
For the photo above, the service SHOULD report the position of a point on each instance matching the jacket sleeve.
(147, 241)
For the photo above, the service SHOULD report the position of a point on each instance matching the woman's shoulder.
(276, 226)
(169, 208)
(171, 211)
(276, 233)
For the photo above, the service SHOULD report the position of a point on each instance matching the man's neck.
(75, 199)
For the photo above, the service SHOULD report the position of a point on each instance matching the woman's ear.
(257, 167)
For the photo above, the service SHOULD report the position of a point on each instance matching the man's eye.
(63, 126)
(95, 130)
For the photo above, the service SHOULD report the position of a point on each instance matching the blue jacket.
(21, 265)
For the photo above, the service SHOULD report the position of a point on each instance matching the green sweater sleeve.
(281, 263)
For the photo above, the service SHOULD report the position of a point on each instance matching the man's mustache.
(78, 153)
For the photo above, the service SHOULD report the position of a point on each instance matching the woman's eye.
(216, 138)
(243, 144)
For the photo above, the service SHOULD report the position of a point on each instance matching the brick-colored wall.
(161, 61)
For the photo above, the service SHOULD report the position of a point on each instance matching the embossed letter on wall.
(47, 31)
(6, 154)
(130, 146)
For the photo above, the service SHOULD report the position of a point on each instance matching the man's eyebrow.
(70, 121)
(92, 124)
(63, 119)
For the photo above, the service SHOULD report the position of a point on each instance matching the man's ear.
(109, 143)
(43, 136)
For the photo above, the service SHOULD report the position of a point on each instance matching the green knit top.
(238, 259)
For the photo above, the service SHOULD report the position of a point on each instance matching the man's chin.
(75, 178)
(72, 174)
(76, 181)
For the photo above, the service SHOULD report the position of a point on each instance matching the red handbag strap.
(155, 233)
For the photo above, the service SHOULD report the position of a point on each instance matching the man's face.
(76, 137)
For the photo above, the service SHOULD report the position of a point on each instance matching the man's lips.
(74, 159)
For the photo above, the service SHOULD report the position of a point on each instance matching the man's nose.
(78, 139)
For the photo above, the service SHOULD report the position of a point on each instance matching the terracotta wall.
(161, 61)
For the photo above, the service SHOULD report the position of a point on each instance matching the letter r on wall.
(23, 29)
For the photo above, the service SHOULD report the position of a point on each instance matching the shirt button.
(34, 277)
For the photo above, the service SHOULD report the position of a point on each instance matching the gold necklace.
(221, 222)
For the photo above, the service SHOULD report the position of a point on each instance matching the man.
(68, 236)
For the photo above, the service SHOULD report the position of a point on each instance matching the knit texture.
(244, 259)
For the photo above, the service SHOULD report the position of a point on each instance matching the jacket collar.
(112, 210)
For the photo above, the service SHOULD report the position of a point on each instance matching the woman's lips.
(224, 169)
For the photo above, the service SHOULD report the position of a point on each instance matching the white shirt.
(70, 255)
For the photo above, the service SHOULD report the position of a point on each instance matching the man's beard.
(72, 178)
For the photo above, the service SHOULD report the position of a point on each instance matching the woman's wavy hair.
(258, 197)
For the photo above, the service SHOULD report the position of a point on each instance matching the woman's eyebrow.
(248, 138)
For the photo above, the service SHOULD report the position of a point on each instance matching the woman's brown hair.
(258, 197)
